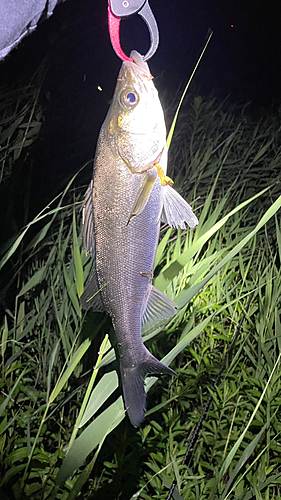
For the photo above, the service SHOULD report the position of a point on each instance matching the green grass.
(21, 118)
(62, 428)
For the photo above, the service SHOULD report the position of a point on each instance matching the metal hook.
(118, 9)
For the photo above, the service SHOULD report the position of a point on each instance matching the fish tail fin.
(133, 385)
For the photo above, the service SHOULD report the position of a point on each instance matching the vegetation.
(63, 431)
(20, 122)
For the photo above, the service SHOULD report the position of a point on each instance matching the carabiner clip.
(118, 9)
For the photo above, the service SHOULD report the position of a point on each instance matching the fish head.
(135, 125)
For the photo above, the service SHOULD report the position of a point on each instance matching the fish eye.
(129, 98)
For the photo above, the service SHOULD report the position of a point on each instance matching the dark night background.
(242, 60)
(242, 63)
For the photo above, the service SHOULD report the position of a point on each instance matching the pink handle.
(114, 32)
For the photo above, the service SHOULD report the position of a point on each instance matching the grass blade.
(171, 131)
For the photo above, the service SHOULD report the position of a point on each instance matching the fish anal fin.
(176, 211)
(158, 308)
(133, 385)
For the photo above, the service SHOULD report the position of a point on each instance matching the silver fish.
(128, 197)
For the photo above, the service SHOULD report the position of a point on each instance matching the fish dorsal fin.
(91, 298)
(176, 211)
(88, 223)
(157, 309)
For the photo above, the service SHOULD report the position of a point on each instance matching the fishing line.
(216, 383)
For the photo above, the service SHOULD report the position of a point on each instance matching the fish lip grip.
(118, 9)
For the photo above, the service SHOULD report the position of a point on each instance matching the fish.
(127, 199)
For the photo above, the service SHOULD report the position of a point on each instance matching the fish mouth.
(138, 66)
(139, 62)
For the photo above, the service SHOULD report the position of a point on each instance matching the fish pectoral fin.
(133, 384)
(87, 222)
(176, 211)
(158, 308)
(144, 193)
(91, 298)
